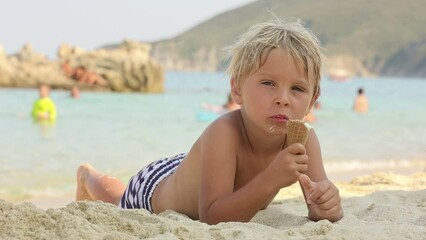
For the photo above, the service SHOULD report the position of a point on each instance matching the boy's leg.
(92, 185)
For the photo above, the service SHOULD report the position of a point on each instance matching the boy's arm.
(316, 170)
(321, 195)
(238, 206)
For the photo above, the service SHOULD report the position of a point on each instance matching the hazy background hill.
(361, 37)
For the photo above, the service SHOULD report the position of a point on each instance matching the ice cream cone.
(297, 132)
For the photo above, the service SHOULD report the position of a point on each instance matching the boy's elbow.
(205, 218)
(211, 217)
(209, 222)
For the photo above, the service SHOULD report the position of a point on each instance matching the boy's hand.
(323, 199)
(288, 165)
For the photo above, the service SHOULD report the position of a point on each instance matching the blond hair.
(303, 46)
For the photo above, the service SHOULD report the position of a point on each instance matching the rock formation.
(343, 66)
(125, 67)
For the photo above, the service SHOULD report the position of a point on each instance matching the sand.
(378, 206)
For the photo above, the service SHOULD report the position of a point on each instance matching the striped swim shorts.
(141, 187)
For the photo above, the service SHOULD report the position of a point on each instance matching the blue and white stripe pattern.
(141, 187)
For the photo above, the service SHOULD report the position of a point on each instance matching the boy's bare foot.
(83, 172)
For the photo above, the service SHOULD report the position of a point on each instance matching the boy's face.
(276, 92)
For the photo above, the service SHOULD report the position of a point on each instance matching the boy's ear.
(311, 105)
(235, 91)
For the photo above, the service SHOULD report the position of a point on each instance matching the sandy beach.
(377, 206)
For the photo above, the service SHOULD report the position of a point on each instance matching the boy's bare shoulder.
(228, 125)
(230, 121)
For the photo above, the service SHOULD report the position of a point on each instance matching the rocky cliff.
(126, 67)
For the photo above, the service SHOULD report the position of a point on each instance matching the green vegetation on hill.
(386, 36)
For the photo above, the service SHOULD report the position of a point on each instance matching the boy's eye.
(297, 88)
(268, 83)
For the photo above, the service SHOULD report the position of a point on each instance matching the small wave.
(25, 194)
(349, 170)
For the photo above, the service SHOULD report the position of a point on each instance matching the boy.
(241, 160)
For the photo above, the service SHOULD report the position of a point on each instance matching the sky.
(93, 23)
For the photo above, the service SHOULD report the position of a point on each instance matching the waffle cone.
(297, 132)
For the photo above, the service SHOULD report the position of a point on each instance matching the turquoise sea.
(120, 133)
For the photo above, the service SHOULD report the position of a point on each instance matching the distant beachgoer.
(361, 102)
(82, 75)
(44, 108)
(317, 105)
(67, 69)
(75, 92)
(230, 105)
(242, 159)
(311, 117)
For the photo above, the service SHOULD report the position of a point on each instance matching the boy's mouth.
(279, 118)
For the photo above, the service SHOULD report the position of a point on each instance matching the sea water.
(119, 133)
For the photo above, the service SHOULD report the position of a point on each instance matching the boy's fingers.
(302, 159)
(331, 203)
(322, 198)
(307, 184)
(320, 194)
(296, 148)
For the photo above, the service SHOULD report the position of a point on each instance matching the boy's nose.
(282, 100)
